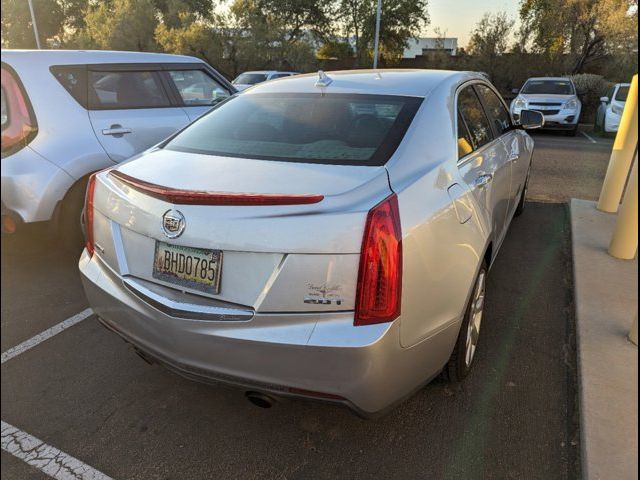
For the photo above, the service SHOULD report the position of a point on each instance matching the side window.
(496, 110)
(280, 75)
(465, 144)
(74, 79)
(123, 90)
(470, 108)
(197, 88)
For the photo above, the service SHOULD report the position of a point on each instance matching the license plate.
(189, 267)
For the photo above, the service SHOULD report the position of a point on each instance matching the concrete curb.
(606, 299)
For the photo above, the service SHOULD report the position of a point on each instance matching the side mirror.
(604, 99)
(530, 119)
(515, 91)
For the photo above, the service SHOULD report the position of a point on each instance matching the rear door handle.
(116, 130)
(482, 180)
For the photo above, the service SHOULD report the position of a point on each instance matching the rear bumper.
(364, 368)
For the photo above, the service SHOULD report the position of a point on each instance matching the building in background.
(424, 46)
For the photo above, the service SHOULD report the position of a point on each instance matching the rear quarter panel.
(441, 254)
(65, 136)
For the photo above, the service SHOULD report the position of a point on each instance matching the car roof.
(266, 72)
(62, 57)
(405, 82)
(549, 78)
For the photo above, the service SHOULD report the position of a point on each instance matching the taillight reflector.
(197, 197)
(379, 288)
(19, 127)
(88, 213)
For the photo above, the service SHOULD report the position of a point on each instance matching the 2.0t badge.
(173, 223)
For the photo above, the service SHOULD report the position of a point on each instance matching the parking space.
(568, 167)
(86, 393)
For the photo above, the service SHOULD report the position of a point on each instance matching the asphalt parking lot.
(86, 393)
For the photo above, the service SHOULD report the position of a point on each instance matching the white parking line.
(46, 458)
(41, 337)
(588, 137)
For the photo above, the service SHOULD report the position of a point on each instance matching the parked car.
(609, 112)
(555, 97)
(66, 114)
(248, 79)
(326, 237)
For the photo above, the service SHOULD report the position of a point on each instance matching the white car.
(248, 79)
(555, 97)
(66, 114)
(325, 236)
(611, 107)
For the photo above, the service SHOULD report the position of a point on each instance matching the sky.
(458, 17)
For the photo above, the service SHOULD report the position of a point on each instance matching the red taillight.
(380, 277)
(88, 213)
(18, 122)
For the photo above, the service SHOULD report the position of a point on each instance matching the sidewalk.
(606, 296)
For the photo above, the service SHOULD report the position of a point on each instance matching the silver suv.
(66, 114)
(555, 97)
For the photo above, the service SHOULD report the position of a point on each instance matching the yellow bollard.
(622, 155)
(633, 334)
(624, 243)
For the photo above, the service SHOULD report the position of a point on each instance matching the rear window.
(339, 129)
(549, 87)
(197, 88)
(622, 94)
(124, 90)
(74, 79)
(250, 78)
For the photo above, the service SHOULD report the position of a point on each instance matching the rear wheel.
(464, 351)
(69, 231)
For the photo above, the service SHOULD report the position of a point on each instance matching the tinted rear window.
(623, 93)
(74, 79)
(123, 90)
(337, 129)
(250, 78)
(549, 87)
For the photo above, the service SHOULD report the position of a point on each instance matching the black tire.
(69, 230)
(596, 127)
(523, 196)
(458, 366)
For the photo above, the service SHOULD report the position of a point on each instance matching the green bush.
(592, 87)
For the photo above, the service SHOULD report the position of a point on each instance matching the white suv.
(66, 114)
(555, 97)
(611, 106)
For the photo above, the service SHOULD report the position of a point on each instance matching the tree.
(121, 25)
(400, 21)
(17, 30)
(584, 30)
(191, 35)
(335, 50)
(489, 40)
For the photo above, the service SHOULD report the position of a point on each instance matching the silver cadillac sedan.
(327, 236)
